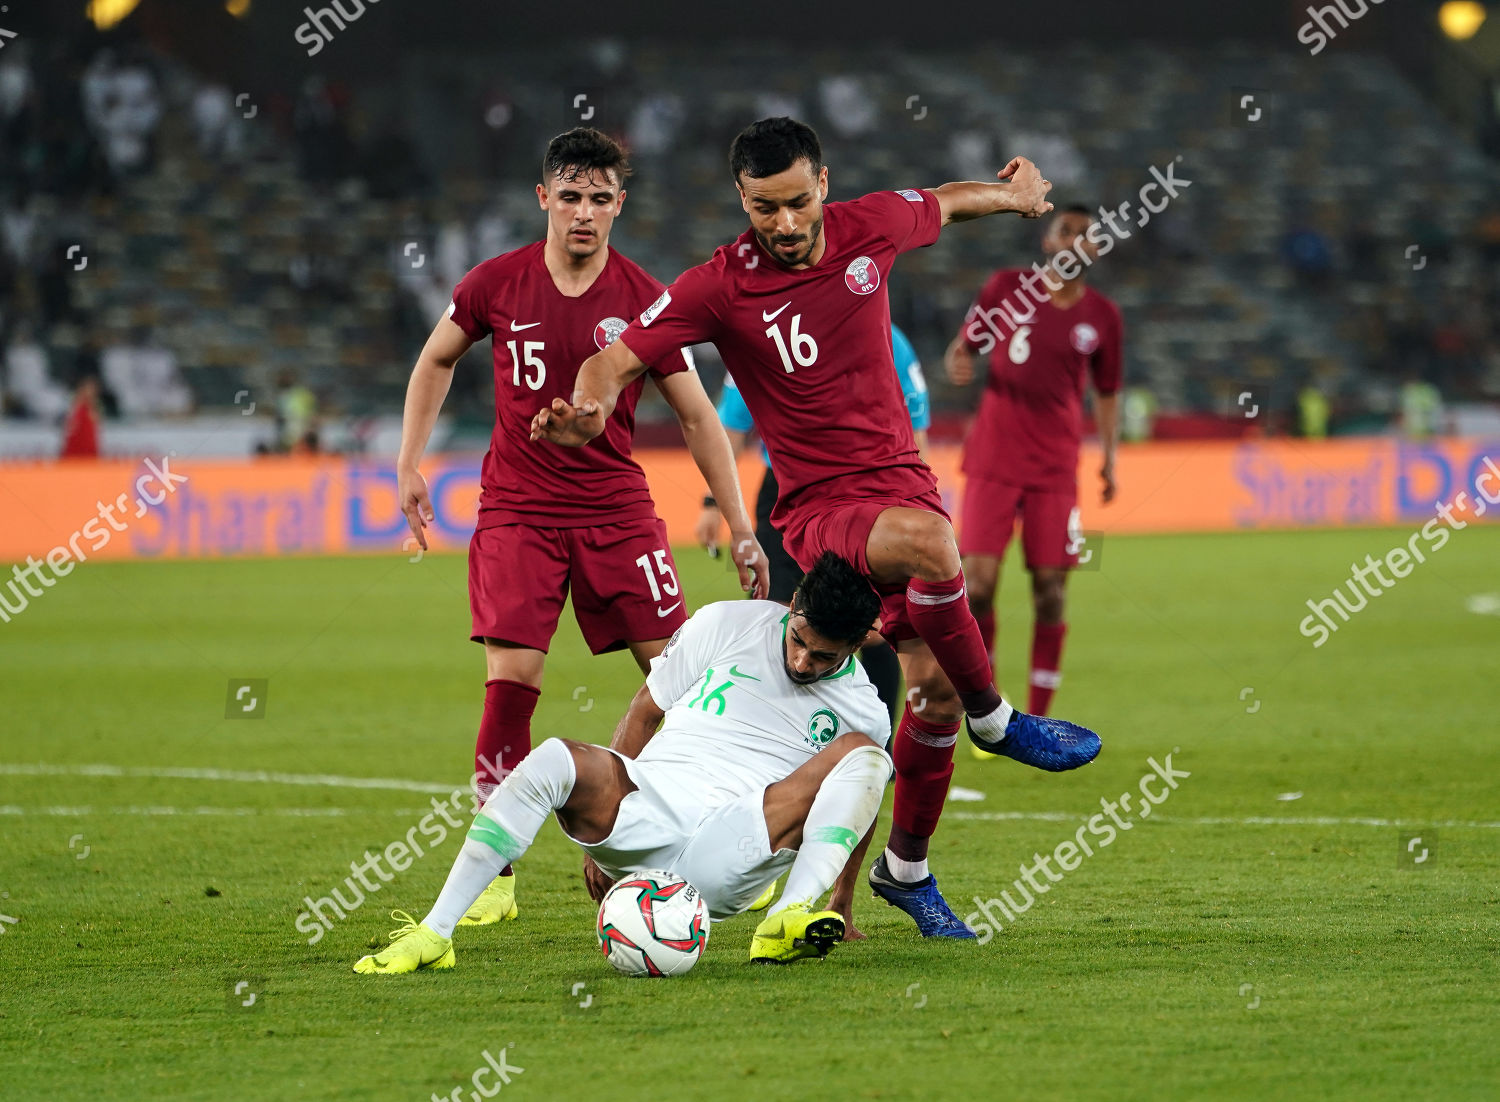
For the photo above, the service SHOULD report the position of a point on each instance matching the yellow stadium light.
(1461, 19)
(237, 8)
(106, 13)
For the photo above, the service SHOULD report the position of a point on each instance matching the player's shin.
(1046, 665)
(924, 767)
(504, 829)
(846, 804)
(939, 614)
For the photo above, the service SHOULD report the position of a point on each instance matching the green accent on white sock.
(835, 836)
(495, 836)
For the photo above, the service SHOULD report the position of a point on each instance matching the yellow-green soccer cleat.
(412, 946)
(795, 933)
(495, 903)
(981, 755)
(767, 897)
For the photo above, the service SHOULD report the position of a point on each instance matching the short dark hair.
(583, 150)
(774, 145)
(1073, 208)
(836, 600)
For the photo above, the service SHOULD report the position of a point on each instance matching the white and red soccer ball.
(653, 924)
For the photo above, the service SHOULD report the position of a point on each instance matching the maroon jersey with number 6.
(541, 336)
(1030, 418)
(810, 350)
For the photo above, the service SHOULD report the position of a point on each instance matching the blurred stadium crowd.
(184, 243)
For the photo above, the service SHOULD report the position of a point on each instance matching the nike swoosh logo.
(514, 328)
(735, 671)
(664, 611)
(773, 316)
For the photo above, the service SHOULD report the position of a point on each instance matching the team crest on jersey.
(911, 196)
(862, 276)
(821, 728)
(608, 331)
(1084, 338)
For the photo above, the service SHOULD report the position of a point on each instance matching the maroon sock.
(504, 735)
(941, 616)
(924, 765)
(1046, 665)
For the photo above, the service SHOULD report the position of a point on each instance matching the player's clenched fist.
(1028, 188)
(565, 424)
(411, 489)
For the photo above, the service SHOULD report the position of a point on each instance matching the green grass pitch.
(1235, 944)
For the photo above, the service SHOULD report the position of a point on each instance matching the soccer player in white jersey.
(771, 758)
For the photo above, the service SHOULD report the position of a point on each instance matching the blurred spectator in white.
(16, 85)
(27, 380)
(1421, 409)
(774, 104)
(81, 429)
(18, 224)
(973, 155)
(214, 123)
(124, 108)
(144, 377)
(494, 234)
(848, 105)
(1054, 154)
(453, 259)
(654, 124)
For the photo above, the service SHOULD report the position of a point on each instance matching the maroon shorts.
(843, 527)
(1050, 534)
(625, 587)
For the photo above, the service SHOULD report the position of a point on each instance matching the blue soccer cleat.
(921, 900)
(1051, 744)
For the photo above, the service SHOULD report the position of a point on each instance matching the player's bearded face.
(581, 207)
(786, 211)
(807, 655)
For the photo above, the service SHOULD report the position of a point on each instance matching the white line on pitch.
(1252, 820)
(317, 780)
(297, 812)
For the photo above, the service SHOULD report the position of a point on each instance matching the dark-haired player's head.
(1068, 231)
(582, 189)
(778, 167)
(833, 610)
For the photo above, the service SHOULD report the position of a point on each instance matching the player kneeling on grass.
(770, 755)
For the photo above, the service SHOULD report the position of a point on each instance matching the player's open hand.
(750, 560)
(1028, 188)
(411, 489)
(568, 425)
(1107, 477)
(594, 879)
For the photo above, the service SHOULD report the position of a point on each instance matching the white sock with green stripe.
(504, 829)
(842, 811)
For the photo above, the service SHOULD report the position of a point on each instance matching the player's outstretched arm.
(600, 380)
(712, 451)
(429, 384)
(1020, 190)
(710, 520)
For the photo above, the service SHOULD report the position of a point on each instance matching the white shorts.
(677, 821)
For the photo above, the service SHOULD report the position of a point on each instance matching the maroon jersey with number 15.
(541, 336)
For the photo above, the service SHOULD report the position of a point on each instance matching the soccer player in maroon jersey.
(549, 518)
(797, 307)
(1021, 456)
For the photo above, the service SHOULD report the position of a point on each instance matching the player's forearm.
(966, 200)
(603, 376)
(714, 453)
(637, 725)
(1107, 410)
(424, 400)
